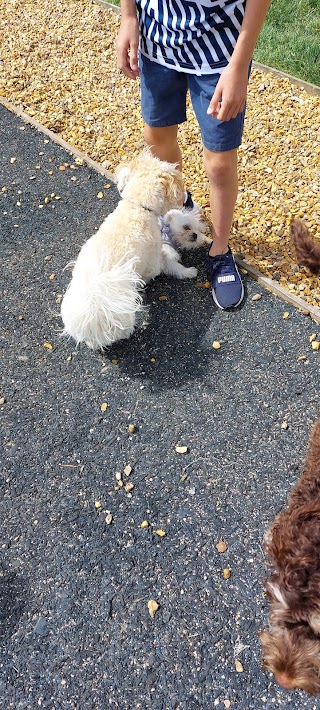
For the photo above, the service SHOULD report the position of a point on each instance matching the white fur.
(187, 228)
(171, 264)
(104, 296)
(274, 589)
(100, 307)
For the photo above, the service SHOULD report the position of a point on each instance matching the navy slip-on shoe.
(227, 287)
(189, 204)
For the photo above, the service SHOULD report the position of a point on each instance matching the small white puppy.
(181, 229)
(104, 296)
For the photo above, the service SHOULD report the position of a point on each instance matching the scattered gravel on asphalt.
(80, 558)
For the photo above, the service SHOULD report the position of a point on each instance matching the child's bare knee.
(220, 167)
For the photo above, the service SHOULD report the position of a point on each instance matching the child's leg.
(163, 107)
(163, 143)
(222, 172)
(220, 141)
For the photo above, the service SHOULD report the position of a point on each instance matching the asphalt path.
(77, 570)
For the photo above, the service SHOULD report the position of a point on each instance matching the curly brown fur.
(292, 647)
(307, 249)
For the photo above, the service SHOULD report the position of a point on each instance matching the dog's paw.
(191, 272)
(205, 240)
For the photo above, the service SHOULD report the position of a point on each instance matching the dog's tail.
(307, 249)
(102, 308)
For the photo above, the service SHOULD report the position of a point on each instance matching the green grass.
(290, 39)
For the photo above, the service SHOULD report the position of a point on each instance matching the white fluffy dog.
(181, 229)
(104, 296)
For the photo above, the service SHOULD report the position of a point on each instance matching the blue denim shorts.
(163, 103)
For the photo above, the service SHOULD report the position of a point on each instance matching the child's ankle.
(217, 250)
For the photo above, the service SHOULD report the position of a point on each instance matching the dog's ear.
(169, 218)
(122, 174)
(173, 186)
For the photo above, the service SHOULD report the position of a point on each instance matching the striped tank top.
(196, 37)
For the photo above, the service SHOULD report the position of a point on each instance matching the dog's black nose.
(193, 237)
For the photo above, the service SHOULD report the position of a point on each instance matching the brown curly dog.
(291, 649)
(307, 249)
